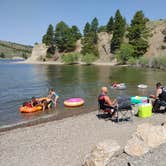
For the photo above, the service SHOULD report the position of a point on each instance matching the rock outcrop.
(39, 53)
(102, 153)
(157, 46)
(146, 137)
(104, 47)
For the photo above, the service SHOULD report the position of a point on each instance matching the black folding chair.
(124, 108)
(123, 111)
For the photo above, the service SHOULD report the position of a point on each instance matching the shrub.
(70, 58)
(2, 55)
(125, 53)
(144, 61)
(159, 62)
(88, 58)
(163, 47)
(132, 61)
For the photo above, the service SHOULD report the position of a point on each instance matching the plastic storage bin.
(145, 110)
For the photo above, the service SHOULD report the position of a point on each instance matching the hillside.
(10, 50)
(157, 45)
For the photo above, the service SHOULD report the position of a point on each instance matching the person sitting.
(114, 85)
(160, 97)
(34, 102)
(105, 102)
(53, 96)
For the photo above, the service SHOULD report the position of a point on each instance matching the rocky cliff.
(157, 46)
(39, 53)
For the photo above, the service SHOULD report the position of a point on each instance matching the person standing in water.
(53, 96)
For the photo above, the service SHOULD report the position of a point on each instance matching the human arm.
(109, 102)
(158, 92)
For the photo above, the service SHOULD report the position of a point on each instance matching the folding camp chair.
(123, 111)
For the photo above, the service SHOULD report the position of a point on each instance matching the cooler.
(138, 99)
(145, 110)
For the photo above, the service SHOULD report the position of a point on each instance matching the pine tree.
(63, 37)
(94, 25)
(48, 38)
(118, 31)
(86, 29)
(89, 40)
(94, 30)
(110, 25)
(75, 32)
(138, 34)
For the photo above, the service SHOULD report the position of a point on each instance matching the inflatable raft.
(29, 109)
(119, 86)
(74, 102)
(143, 86)
(25, 109)
(139, 99)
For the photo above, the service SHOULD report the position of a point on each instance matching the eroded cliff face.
(39, 53)
(104, 47)
(157, 46)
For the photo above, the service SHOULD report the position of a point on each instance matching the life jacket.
(162, 96)
(101, 100)
(27, 104)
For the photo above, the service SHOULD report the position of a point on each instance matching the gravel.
(65, 142)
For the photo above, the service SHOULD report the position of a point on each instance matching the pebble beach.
(64, 142)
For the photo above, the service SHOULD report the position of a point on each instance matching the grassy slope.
(14, 49)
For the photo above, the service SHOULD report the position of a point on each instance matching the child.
(53, 96)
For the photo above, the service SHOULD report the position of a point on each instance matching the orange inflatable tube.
(25, 109)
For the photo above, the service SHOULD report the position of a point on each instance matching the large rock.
(101, 154)
(104, 39)
(146, 137)
(39, 52)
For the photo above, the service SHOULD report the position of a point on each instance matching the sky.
(26, 21)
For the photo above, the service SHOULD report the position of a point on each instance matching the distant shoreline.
(61, 63)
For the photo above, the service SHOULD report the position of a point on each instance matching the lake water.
(19, 82)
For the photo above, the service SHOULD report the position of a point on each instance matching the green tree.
(94, 30)
(75, 32)
(138, 34)
(102, 28)
(86, 29)
(64, 39)
(2, 55)
(110, 25)
(94, 25)
(118, 31)
(89, 40)
(48, 38)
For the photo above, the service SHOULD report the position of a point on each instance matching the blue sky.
(26, 21)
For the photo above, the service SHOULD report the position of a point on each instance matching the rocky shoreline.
(67, 141)
(155, 157)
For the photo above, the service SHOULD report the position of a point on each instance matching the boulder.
(136, 147)
(146, 137)
(102, 153)
(39, 52)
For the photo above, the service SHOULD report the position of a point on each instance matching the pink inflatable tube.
(74, 102)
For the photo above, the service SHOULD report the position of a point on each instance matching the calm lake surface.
(19, 82)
